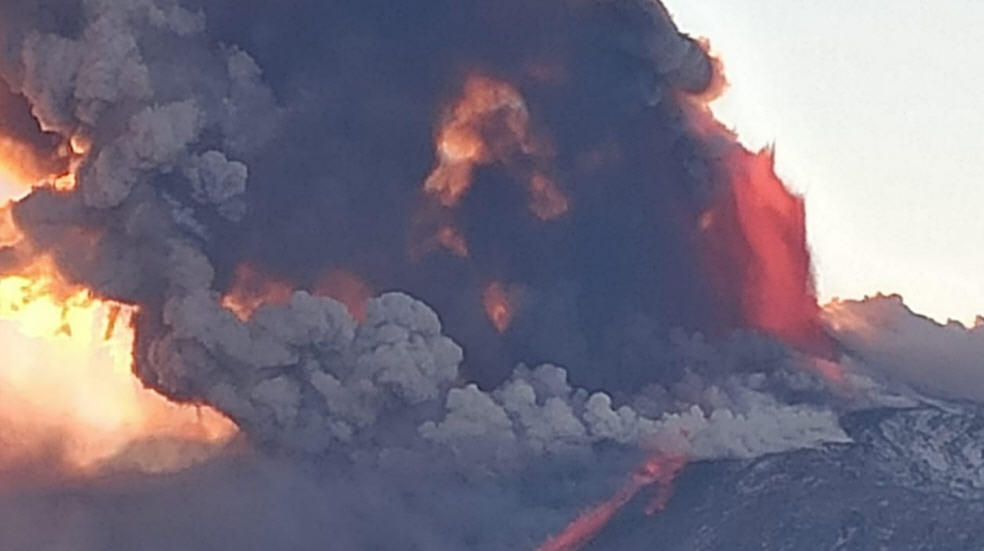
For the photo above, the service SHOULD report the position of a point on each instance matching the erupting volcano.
(434, 259)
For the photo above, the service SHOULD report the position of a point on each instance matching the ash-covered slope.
(912, 479)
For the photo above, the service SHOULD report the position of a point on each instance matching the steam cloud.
(295, 139)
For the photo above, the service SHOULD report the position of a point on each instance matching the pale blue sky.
(875, 109)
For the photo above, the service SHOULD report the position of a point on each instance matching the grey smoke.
(900, 346)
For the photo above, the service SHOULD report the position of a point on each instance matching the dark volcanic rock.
(912, 479)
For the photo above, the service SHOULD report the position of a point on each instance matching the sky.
(874, 107)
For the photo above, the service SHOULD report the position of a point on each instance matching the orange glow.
(765, 265)
(489, 123)
(68, 394)
(250, 289)
(498, 306)
(347, 288)
(461, 144)
(451, 239)
(69, 391)
(19, 166)
(779, 297)
(838, 315)
(9, 234)
(658, 470)
(547, 201)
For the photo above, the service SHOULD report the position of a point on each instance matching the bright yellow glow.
(67, 390)
(66, 385)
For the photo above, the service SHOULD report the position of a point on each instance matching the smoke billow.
(902, 347)
(524, 183)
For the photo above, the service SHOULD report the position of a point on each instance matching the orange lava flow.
(498, 306)
(659, 470)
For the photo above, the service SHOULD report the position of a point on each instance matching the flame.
(67, 384)
(251, 289)
(67, 389)
(498, 306)
(19, 166)
(490, 123)
(659, 470)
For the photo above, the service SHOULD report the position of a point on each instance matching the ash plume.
(301, 144)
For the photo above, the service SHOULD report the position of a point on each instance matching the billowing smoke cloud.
(901, 346)
(294, 141)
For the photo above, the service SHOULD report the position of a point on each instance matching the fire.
(498, 306)
(19, 167)
(68, 389)
(659, 470)
(490, 123)
(250, 289)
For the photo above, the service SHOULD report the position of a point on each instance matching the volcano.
(389, 275)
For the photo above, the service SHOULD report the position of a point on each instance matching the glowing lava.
(659, 470)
